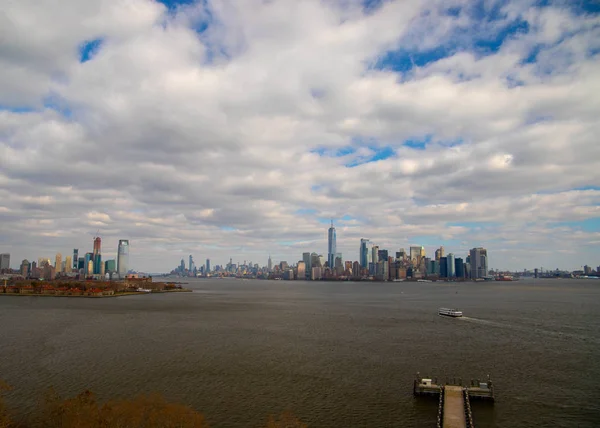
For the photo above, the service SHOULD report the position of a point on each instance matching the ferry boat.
(450, 312)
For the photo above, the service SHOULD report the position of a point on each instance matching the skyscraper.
(207, 265)
(58, 262)
(191, 264)
(25, 268)
(123, 257)
(4, 261)
(68, 264)
(439, 253)
(75, 258)
(479, 262)
(269, 264)
(301, 270)
(451, 265)
(307, 264)
(364, 253)
(97, 255)
(331, 247)
(375, 254)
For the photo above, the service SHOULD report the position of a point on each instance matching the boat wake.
(529, 329)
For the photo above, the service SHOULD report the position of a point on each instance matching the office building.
(331, 246)
(207, 265)
(479, 262)
(439, 253)
(443, 267)
(110, 266)
(97, 255)
(375, 254)
(301, 270)
(450, 265)
(58, 262)
(4, 261)
(459, 267)
(307, 263)
(90, 268)
(75, 258)
(269, 264)
(25, 268)
(364, 253)
(382, 255)
(68, 264)
(417, 254)
(123, 257)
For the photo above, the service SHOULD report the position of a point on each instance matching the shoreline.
(128, 293)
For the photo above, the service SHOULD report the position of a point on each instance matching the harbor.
(454, 410)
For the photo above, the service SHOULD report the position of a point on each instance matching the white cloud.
(204, 143)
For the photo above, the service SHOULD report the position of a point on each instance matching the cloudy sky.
(238, 128)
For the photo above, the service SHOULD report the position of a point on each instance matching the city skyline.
(241, 131)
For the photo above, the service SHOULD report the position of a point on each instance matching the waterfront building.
(321, 260)
(307, 263)
(375, 254)
(364, 253)
(479, 262)
(80, 263)
(315, 273)
(4, 261)
(75, 258)
(331, 245)
(90, 268)
(110, 266)
(123, 258)
(356, 268)
(450, 265)
(88, 257)
(314, 260)
(301, 270)
(443, 267)
(25, 268)
(459, 267)
(97, 257)
(58, 262)
(68, 264)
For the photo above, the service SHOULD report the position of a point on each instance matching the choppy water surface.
(334, 354)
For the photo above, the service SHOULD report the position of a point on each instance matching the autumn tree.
(5, 421)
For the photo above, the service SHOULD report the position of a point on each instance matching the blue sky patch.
(173, 4)
(306, 211)
(227, 228)
(402, 60)
(379, 153)
(588, 225)
(88, 49)
(17, 109)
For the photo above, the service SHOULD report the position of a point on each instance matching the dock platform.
(454, 399)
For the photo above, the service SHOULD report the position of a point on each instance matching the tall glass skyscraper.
(123, 257)
(331, 247)
(364, 253)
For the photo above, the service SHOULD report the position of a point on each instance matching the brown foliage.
(5, 421)
(153, 411)
(285, 420)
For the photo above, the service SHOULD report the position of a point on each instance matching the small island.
(88, 288)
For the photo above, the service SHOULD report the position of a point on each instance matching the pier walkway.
(454, 408)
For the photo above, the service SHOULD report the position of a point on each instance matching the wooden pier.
(454, 409)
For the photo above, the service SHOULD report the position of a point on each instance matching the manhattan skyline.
(188, 127)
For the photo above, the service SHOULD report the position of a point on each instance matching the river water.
(334, 354)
